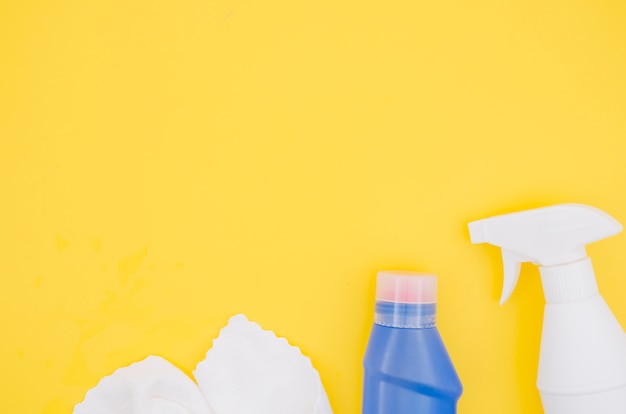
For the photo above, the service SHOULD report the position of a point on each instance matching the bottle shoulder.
(411, 356)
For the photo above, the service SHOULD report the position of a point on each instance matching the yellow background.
(166, 164)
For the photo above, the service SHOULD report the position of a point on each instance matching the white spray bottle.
(582, 361)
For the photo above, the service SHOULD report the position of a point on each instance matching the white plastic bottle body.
(582, 362)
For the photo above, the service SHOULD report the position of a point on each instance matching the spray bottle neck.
(569, 282)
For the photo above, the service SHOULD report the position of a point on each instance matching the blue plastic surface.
(409, 371)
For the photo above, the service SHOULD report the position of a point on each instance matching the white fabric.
(248, 371)
(151, 386)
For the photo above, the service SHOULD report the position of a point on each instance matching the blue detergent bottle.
(407, 368)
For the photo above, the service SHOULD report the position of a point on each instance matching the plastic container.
(582, 359)
(407, 368)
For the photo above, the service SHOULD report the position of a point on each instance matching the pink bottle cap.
(402, 286)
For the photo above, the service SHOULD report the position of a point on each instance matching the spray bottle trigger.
(512, 263)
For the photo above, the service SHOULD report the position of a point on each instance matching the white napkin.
(151, 386)
(248, 371)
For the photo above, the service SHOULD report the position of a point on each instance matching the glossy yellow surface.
(167, 164)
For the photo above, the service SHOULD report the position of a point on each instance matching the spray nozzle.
(545, 236)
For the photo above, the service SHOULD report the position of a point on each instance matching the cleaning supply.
(407, 369)
(150, 386)
(248, 370)
(251, 370)
(582, 363)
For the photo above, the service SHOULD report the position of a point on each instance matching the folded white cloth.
(151, 386)
(248, 371)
